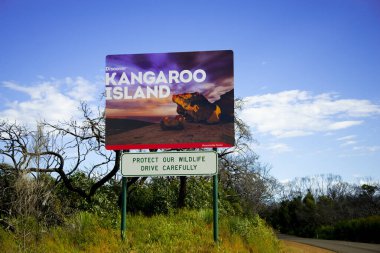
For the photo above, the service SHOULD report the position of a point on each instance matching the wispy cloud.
(347, 140)
(53, 99)
(298, 113)
(279, 148)
(367, 149)
(276, 147)
(348, 143)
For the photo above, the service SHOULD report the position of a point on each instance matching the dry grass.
(295, 247)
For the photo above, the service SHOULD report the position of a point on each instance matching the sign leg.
(123, 207)
(215, 207)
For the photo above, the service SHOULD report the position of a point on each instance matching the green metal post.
(123, 207)
(215, 205)
(215, 198)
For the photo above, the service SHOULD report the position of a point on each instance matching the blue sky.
(309, 70)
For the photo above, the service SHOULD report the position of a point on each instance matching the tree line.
(324, 206)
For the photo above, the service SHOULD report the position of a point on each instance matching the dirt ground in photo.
(295, 247)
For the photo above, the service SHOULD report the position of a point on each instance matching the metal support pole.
(215, 198)
(215, 205)
(123, 207)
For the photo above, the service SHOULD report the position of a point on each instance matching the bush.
(206, 215)
(325, 232)
(240, 226)
(104, 202)
(155, 197)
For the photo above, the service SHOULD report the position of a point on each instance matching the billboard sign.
(170, 100)
(169, 164)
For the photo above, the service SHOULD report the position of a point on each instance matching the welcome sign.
(170, 100)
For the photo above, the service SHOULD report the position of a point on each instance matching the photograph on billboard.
(170, 100)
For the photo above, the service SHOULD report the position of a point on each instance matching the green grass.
(186, 231)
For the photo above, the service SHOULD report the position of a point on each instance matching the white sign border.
(170, 174)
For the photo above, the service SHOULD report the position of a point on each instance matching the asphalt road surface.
(337, 246)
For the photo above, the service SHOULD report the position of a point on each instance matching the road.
(337, 246)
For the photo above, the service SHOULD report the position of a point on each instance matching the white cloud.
(279, 148)
(81, 89)
(348, 143)
(298, 113)
(344, 124)
(347, 140)
(367, 149)
(285, 181)
(52, 100)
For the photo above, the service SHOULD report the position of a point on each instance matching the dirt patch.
(295, 247)
(192, 132)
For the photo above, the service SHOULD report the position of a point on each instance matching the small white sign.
(169, 164)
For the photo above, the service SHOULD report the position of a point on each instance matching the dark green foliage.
(103, 203)
(159, 196)
(296, 216)
(359, 230)
(7, 181)
(199, 191)
(71, 200)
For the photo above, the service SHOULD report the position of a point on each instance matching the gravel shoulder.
(337, 246)
(295, 247)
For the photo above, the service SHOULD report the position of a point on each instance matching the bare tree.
(319, 185)
(62, 149)
(35, 206)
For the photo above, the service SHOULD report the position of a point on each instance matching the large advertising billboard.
(170, 100)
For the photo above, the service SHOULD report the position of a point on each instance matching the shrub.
(360, 230)
(206, 215)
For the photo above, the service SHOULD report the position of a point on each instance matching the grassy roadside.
(186, 231)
